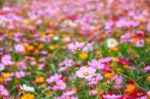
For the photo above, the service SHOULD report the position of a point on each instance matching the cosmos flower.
(85, 72)
(24, 87)
(96, 64)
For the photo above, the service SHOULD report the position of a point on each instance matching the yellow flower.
(27, 96)
(40, 79)
(1, 79)
(41, 46)
(30, 48)
(83, 55)
(52, 47)
(6, 75)
(130, 88)
(42, 34)
(114, 49)
(33, 58)
(51, 35)
(27, 21)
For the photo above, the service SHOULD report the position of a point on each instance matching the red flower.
(123, 61)
(18, 87)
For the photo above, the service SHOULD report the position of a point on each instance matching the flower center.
(86, 73)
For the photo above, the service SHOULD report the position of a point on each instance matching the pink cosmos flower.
(19, 48)
(88, 47)
(139, 43)
(96, 64)
(85, 72)
(54, 78)
(19, 74)
(59, 85)
(3, 91)
(73, 47)
(95, 79)
(6, 60)
(67, 95)
(22, 65)
(113, 96)
(65, 65)
(105, 60)
(118, 81)
(147, 69)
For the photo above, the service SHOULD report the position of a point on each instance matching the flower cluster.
(74, 49)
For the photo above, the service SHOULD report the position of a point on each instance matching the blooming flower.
(85, 72)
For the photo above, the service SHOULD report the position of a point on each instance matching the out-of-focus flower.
(130, 88)
(39, 79)
(2, 67)
(112, 43)
(19, 48)
(27, 96)
(111, 96)
(19, 74)
(53, 78)
(139, 43)
(147, 69)
(3, 91)
(6, 60)
(27, 88)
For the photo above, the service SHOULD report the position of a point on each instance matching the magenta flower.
(86, 72)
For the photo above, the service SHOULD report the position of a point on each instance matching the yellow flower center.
(86, 73)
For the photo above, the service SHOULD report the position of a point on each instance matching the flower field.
(75, 49)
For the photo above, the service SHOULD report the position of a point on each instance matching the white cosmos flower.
(27, 88)
(111, 43)
(2, 67)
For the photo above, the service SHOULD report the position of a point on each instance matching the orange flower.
(39, 79)
(130, 88)
(109, 75)
(148, 78)
(83, 55)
